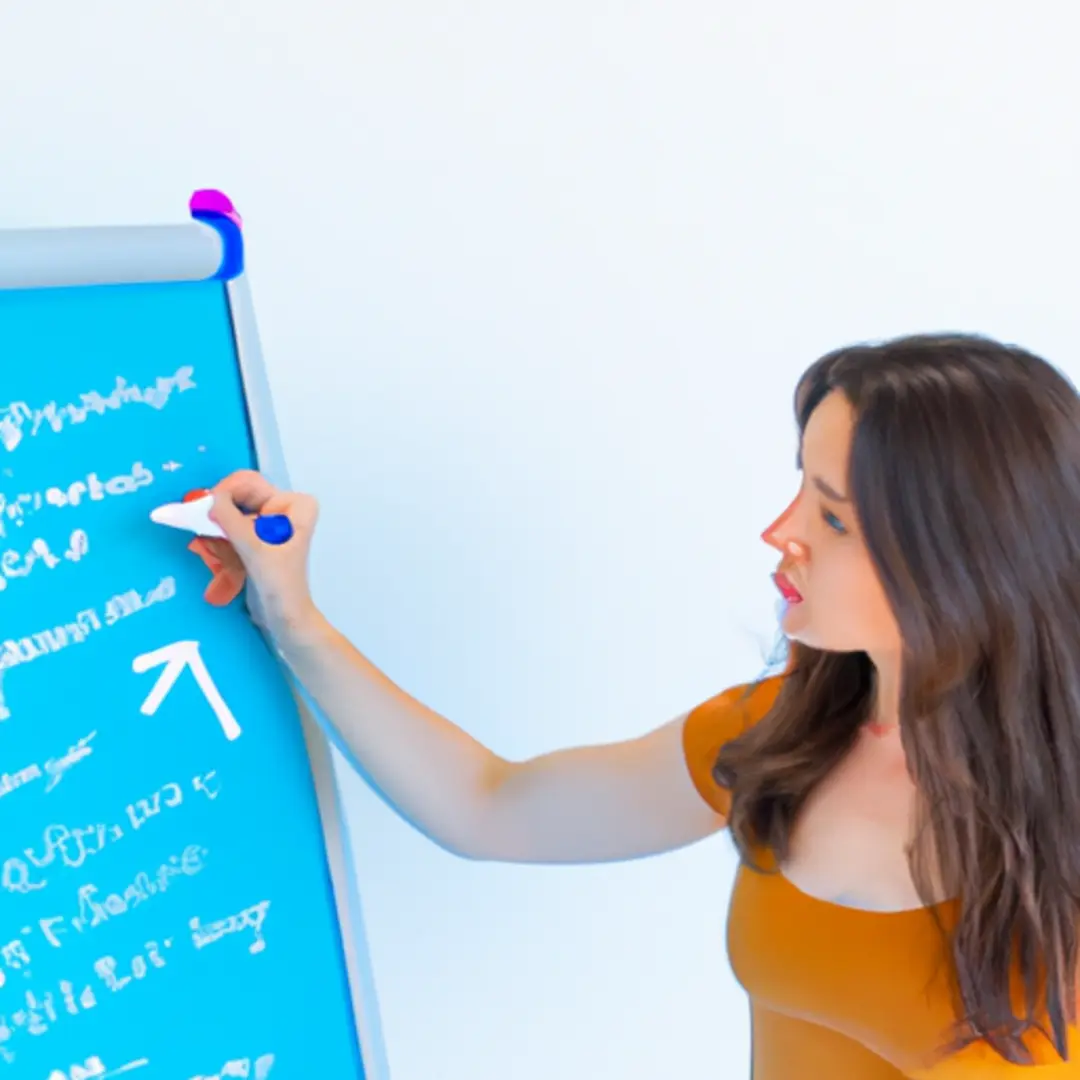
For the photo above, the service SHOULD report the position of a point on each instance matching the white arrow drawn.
(176, 657)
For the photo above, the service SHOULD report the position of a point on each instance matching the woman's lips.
(787, 590)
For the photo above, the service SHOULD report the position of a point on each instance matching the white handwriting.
(94, 909)
(250, 918)
(73, 845)
(32, 1019)
(17, 509)
(139, 967)
(18, 419)
(18, 564)
(54, 768)
(93, 1068)
(259, 1069)
(208, 785)
(17, 651)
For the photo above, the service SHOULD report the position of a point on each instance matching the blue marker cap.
(273, 528)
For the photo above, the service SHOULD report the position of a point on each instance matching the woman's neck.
(885, 710)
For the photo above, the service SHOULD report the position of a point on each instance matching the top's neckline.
(768, 859)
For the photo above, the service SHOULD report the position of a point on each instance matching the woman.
(905, 795)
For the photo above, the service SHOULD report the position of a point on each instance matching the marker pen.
(193, 514)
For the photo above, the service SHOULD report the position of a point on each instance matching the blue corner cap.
(215, 209)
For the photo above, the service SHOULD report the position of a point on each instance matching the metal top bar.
(109, 255)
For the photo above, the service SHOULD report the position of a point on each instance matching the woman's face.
(835, 601)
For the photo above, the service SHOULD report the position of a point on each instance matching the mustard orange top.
(837, 993)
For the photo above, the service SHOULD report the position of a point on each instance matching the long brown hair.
(965, 475)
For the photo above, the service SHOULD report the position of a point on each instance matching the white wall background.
(534, 284)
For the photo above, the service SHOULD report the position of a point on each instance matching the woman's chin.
(792, 617)
(797, 626)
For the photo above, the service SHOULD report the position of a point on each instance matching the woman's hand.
(278, 572)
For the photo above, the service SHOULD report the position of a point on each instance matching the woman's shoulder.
(717, 721)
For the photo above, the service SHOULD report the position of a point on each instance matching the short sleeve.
(717, 721)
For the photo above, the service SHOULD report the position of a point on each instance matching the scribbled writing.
(16, 651)
(44, 1009)
(57, 768)
(35, 1016)
(257, 1069)
(19, 420)
(251, 918)
(132, 602)
(209, 785)
(142, 810)
(116, 977)
(53, 770)
(19, 563)
(93, 1068)
(16, 509)
(20, 778)
(67, 845)
(94, 908)
(71, 845)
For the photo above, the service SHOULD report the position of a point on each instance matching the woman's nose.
(779, 534)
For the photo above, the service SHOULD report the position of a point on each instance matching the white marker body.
(193, 516)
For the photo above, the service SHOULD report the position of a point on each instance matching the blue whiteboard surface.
(166, 902)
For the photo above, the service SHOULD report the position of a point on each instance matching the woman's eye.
(833, 521)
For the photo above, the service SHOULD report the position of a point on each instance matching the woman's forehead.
(826, 442)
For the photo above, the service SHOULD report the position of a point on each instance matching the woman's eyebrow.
(828, 491)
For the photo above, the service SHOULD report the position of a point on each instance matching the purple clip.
(215, 208)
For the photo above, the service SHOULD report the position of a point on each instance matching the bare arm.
(591, 804)
(587, 804)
